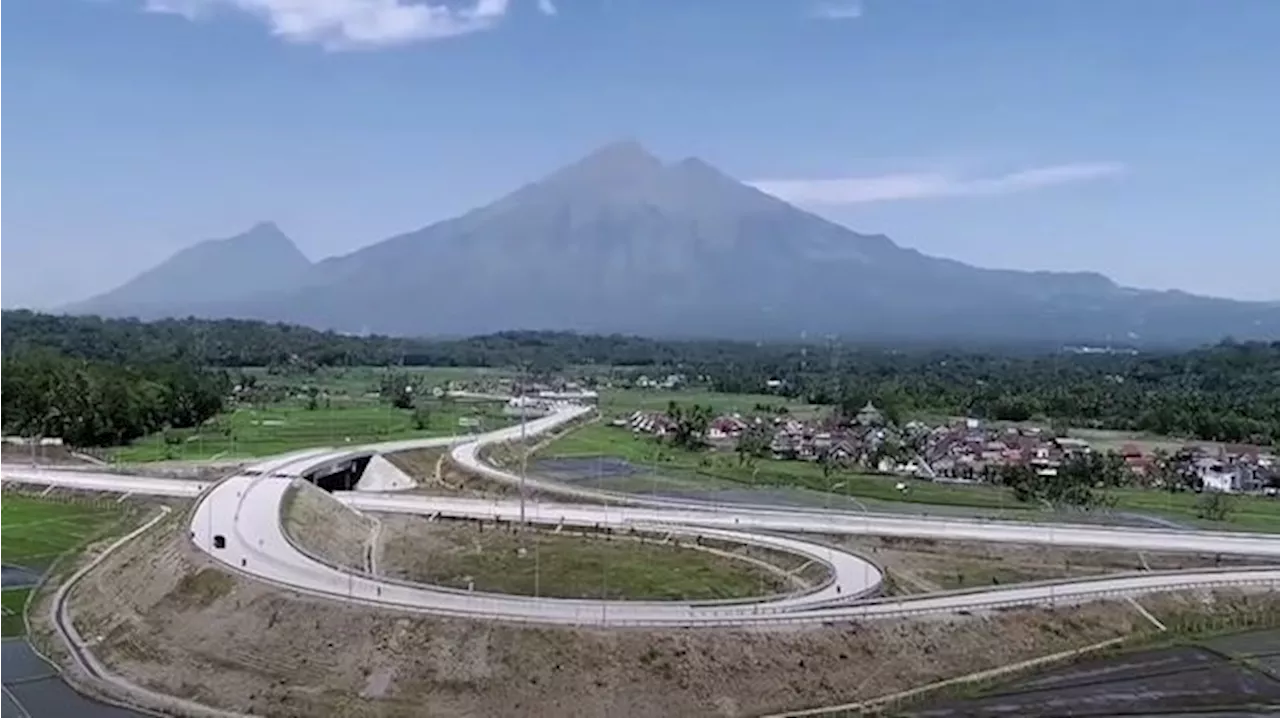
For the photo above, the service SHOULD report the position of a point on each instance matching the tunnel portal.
(340, 476)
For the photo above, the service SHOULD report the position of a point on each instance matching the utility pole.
(604, 565)
(524, 449)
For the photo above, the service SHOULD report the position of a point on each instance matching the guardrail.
(596, 613)
(788, 619)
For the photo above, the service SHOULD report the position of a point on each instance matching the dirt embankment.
(165, 618)
(422, 465)
(919, 565)
(437, 474)
(322, 526)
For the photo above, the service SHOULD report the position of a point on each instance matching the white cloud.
(546, 7)
(924, 185)
(354, 24)
(838, 10)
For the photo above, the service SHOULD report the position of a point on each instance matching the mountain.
(623, 242)
(206, 274)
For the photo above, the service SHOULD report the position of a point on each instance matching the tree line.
(1227, 392)
(94, 403)
(243, 343)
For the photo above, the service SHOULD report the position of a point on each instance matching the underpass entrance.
(341, 476)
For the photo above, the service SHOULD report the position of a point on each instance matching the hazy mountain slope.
(620, 241)
(209, 273)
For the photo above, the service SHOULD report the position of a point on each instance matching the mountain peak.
(259, 259)
(697, 164)
(617, 163)
(264, 228)
(627, 153)
(261, 234)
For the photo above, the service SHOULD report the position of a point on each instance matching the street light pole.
(524, 458)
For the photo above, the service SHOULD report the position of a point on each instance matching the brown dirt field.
(172, 622)
(1202, 611)
(450, 480)
(571, 564)
(421, 464)
(925, 565)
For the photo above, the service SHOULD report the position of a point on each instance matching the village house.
(670, 381)
(966, 451)
(726, 427)
(1214, 475)
(655, 423)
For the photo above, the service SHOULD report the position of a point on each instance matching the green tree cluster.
(1082, 481)
(91, 404)
(754, 443)
(689, 425)
(400, 389)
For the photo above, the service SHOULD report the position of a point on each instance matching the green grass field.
(34, 532)
(346, 411)
(605, 440)
(1249, 512)
(359, 380)
(351, 412)
(248, 432)
(567, 566)
(615, 402)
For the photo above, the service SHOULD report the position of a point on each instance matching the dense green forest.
(1228, 392)
(239, 343)
(92, 403)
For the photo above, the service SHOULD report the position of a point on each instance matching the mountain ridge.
(208, 272)
(620, 241)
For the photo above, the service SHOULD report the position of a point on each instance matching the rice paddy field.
(346, 410)
(614, 402)
(33, 532)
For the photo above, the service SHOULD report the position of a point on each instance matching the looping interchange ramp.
(238, 522)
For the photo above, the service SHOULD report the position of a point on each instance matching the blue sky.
(1134, 137)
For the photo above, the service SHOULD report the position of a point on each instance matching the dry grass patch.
(572, 564)
(920, 565)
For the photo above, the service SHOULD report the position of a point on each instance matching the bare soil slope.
(325, 528)
(919, 565)
(167, 619)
